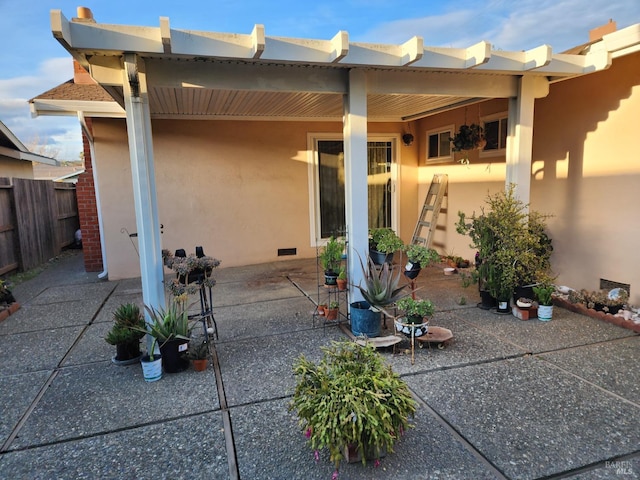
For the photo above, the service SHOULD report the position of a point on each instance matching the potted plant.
(342, 279)
(415, 318)
(351, 402)
(418, 257)
(468, 137)
(191, 270)
(198, 353)
(544, 294)
(383, 242)
(512, 246)
(332, 311)
(172, 329)
(152, 364)
(381, 288)
(331, 258)
(126, 332)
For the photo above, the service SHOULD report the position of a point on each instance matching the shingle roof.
(75, 91)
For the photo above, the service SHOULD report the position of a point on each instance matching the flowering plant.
(350, 399)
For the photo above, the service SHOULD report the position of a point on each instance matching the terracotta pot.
(322, 308)
(332, 313)
(200, 365)
(342, 284)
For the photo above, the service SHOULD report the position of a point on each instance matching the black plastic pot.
(173, 356)
(128, 351)
(487, 302)
(380, 258)
(413, 271)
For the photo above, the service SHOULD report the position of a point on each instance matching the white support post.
(355, 170)
(520, 139)
(136, 103)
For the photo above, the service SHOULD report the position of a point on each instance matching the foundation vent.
(610, 284)
(283, 252)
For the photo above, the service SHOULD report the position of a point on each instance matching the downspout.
(94, 170)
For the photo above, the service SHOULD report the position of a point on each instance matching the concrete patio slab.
(91, 346)
(18, 392)
(262, 368)
(530, 419)
(470, 345)
(92, 293)
(35, 317)
(274, 316)
(33, 351)
(271, 445)
(611, 365)
(253, 291)
(624, 468)
(488, 408)
(566, 329)
(99, 398)
(189, 447)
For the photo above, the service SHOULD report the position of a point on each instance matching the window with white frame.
(495, 132)
(439, 145)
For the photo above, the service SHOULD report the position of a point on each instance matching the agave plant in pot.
(381, 288)
(171, 328)
(126, 332)
(351, 403)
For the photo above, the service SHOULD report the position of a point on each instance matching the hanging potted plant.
(125, 334)
(331, 258)
(351, 403)
(383, 242)
(418, 257)
(468, 137)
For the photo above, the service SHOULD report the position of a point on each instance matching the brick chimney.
(598, 32)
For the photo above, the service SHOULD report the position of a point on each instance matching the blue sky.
(31, 61)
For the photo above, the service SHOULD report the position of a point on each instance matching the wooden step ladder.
(429, 216)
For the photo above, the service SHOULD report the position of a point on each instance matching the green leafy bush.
(351, 398)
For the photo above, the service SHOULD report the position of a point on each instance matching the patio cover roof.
(204, 75)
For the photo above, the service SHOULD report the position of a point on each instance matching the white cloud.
(60, 134)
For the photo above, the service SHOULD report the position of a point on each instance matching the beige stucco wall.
(10, 167)
(585, 172)
(239, 189)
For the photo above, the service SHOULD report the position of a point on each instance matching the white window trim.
(499, 152)
(313, 180)
(445, 159)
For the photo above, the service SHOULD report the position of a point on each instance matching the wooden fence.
(38, 218)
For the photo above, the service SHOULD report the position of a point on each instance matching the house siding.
(585, 173)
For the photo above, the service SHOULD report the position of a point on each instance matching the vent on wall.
(610, 284)
(283, 252)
